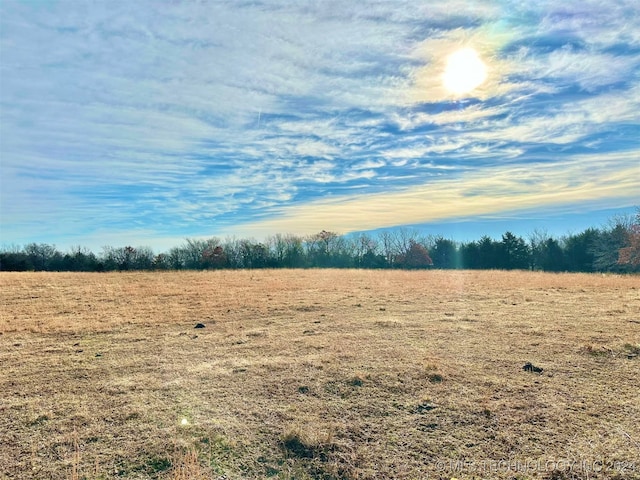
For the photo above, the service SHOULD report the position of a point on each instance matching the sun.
(465, 71)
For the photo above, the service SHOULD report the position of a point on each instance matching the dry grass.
(319, 374)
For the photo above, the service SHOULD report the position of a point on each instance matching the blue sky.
(145, 122)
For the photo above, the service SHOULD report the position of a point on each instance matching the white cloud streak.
(580, 179)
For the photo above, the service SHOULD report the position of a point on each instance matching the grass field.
(319, 374)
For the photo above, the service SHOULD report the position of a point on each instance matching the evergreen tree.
(514, 252)
(578, 252)
(445, 254)
(489, 253)
(470, 255)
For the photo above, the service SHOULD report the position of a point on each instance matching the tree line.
(614, 248)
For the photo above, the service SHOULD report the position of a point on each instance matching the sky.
(146, 122)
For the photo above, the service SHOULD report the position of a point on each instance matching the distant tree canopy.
(614, 248)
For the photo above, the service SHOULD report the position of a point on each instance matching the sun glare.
(465, 71)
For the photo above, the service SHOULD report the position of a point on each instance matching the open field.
(319, 374)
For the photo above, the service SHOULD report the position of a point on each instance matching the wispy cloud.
(197, 118)
(578, 179)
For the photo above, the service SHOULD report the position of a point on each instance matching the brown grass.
(319, 374)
